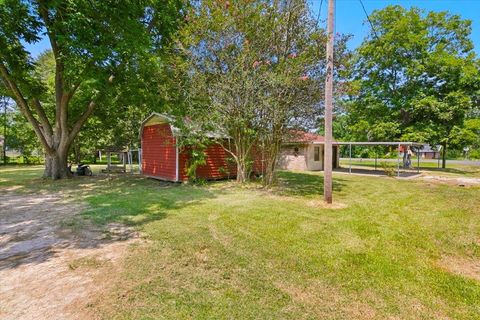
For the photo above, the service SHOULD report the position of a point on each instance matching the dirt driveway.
(53, 261)
(455, 181)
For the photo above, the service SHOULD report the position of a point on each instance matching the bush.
(389, 170)
(475, 154)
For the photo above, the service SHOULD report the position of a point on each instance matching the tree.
(253, 70)
(414, 77)
(5, 124)
(93, 43)
(293, 89)
(17, 133)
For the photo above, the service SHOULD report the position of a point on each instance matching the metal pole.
(140, 160)
(418, 160)
(376, 159)
(327, 181)
(398, 161)
(130, 161)
(350, 158)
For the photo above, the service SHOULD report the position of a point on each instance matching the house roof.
(298, 136)
(428, 148)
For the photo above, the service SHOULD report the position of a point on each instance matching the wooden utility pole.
(327, 161)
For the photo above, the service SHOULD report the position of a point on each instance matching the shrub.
(475, 154)
(389, 170)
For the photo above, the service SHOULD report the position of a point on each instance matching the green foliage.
(20, 136)
(197, 157)
(475, 154)
(388, 169)
(102, 53)
(415, 77)
(252, 71)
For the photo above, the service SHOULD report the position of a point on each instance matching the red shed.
(162, 158)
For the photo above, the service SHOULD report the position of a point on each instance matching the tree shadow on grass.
(450, 170)
(304, 184)
(462, 171)
(137, 201)
(45, 218)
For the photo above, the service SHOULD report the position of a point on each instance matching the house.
(163, 156)
(427, 152)
(305, 151)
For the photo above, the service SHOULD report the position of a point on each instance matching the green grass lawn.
(430, 168)
(393, 249)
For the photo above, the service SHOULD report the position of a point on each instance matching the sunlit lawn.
(426, 167)
(391, 248)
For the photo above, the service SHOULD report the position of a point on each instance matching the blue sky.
(350, 17)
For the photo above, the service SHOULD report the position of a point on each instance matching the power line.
(319, 11)
(370, 21)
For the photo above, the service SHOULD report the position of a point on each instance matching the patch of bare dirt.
(462, 266)
(323, 205)
(454, 181)
(51, 257)
(325, 300)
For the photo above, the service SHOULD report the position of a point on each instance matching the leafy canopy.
(414, 77)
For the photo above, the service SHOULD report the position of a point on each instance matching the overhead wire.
(368, 18)
(319, 11)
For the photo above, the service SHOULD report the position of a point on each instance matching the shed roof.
(158, 118)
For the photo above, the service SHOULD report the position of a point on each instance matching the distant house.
(305, 151)
(427, 152)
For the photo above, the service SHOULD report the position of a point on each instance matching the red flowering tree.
(255, 70)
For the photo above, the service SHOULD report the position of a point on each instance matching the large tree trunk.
(56, 163)
(56, 166)
(56, 136)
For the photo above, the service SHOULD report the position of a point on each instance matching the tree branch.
(81, 121)
(43, 117)
(23, 105)
(60, 111)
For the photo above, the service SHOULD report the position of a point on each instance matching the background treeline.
(252, 70)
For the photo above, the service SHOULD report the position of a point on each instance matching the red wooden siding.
(216, 160)
(258, 166)
(159, 152)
